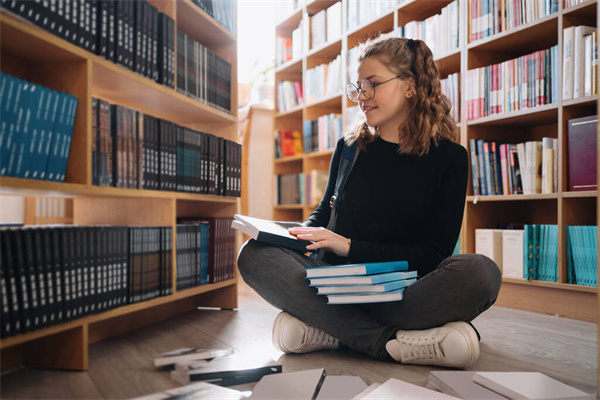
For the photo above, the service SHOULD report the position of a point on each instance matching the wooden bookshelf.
(33, 54)
(562, 208)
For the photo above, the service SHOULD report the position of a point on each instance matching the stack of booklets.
(362, 283)
(197, 390)
(471, 385)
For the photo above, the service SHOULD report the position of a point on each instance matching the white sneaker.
(291, 335)
(452, 345)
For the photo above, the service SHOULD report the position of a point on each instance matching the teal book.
(364, 289)
(363, 298)
(363, 280)
(357, 269)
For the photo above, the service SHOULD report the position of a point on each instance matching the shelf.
(116, 312)
(383, 23)
(291, 70)
(538, 115)
(10, 185)
(419, 10)
(449, 63)
(315, 6)
(581, 101)
(536, 35)
(289, 24)
(333, 101)
(212, 34)
(585, 9)
(289, 206)
(553, 285)
(286, 160)
(512, 197)
(320, 154)
(324, 54)
(582, 194)
(295, 112)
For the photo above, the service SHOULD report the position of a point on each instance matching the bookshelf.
(561, 208)
(31, 53)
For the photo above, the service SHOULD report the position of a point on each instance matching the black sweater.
(398, 207)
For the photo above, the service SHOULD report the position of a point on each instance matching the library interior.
(146, 144)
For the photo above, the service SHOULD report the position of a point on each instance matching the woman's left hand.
(323, 239)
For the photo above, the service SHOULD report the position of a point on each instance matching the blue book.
(48, 120)
(57, 137)
(33, 133)
(363, 280)
(364, 289)
(483, 189)
(395, 295)
(357, 269)
(67, 134)
(9, 86)
(15, 135)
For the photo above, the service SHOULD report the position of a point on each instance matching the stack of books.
(362, 283)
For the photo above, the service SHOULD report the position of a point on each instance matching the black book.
(124, 265)
(171, 51)
(138, 25)
(102, 269)
(111, 14)
(31, 271)
(92, 249)
(82, 40)
(5, 287)
(76, 273)
(94, 27)
(271, 232)
(21, 275)
(181, 69)
(155, 50)
(66, 249)
(41, 274)
(56, 270)
(68, 19)
(12, 276)
(85, 262)
(74, 6)
(119, 28)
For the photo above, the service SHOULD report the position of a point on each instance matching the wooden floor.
(122, 367)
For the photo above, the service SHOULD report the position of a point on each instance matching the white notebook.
(399, 390)
(529, 386)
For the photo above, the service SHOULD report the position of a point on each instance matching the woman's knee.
(483, 272)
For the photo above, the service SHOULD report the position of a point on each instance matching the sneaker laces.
(317, 337)
(420, 348)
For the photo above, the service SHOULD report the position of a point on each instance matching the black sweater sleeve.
(440, 229)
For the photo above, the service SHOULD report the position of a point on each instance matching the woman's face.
(387, 110)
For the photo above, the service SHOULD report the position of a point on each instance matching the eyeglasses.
(366, 87)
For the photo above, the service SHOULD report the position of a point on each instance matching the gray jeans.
(460, 289)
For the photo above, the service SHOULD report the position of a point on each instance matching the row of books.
(323, 80)
(36, 130)
(289, 95)
(507, 168)
(205, 251)
(288, 143)
(580, 62)
(451, 88)
(133, 34)
(524, 82)
(135, 150)
(224, 12)
(323, 133)
(582, 255)
(52, 274)
(361, 283)
(52, 207)
(326, 25)
(490, 17)
(440, 31)
(288, 189)
(571, 3)
(202, 74)
(284, 50)
(361, 12)
(314, 185)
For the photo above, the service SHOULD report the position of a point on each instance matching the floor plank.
(122, 367)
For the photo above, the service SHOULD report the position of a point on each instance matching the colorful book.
(581, 141)
(363, 280)
(357, 269)
(363, 289)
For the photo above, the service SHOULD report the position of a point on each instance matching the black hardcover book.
(112, 40)
(20, 270)
(15, 299)
(5, 287)
(162, 46)
(74, 21)
(155, 50)
(76, 273)
(92, 242)
(84, 255)
(101, 270)
(144, 39)
(95, 142)
(83, 25)
(66, 246)
(148, 44)
(190, 48)
(124, 261)
(31, 271)
(54, 249)
(41, 274)
(119, 32)
(181, 68)
(68, 18)
(45, 240)
(171, 52)
(94, 27)
(138, 25)
(133, 253)
(127, 20)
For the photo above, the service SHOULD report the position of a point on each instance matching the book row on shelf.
(530, 252)
(323, 80)
(524, 82)
(224, 12)
(296, 189)
(490, 17)
(318, 135)
(326, 25)
(74, 271)
(289, 95)
(134, 150)
(205, 251)
(580, 62)
(571, 3)
(133, 34)
(360, 12)
(202, 74)
(37, 126)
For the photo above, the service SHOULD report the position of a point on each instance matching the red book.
(581, 141)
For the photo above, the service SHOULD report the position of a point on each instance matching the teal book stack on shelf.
(362, 283)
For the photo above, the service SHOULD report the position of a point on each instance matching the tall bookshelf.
(562, 208)
(33, 54)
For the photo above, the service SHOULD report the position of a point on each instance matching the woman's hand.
(323, 239)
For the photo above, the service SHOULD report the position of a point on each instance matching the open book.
(271, 232)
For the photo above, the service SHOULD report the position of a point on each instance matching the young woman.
(403, 200)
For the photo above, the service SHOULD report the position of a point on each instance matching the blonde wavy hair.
(428, 118)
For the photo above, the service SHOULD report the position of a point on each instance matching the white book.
(198, 390)
(512, 253)
(522, 153)
(399, 390)
(587, 67)
(528, 386)
(578, 61)
(568, 68)
(341, 387)
(547, 165)
(187, 354)
(297, 385)
(461, 385)
(489, 243)
(334, 21)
